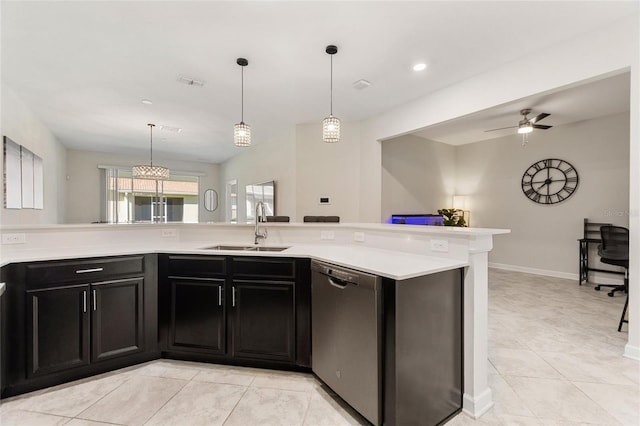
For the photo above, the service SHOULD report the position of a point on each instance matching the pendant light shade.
(331, 124)
(150, 171)
(242, 131)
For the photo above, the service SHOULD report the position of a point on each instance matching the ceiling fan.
(526, 125)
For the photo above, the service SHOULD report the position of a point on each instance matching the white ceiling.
(84, 67)
(599, 98)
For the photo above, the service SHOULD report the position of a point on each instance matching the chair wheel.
(610, 294)
(597, 288)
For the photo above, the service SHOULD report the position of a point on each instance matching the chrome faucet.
(260, 235)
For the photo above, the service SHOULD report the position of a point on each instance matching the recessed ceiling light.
(361, 84)
(420, 67)
(147, 101)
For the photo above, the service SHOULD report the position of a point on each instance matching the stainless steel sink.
(245, 248)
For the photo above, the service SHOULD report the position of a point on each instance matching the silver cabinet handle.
(220, 296)
(84, 301)
(84, 271)
(233, 297)
(94, 300)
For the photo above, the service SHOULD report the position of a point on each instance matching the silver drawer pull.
(95, 298)
(233, 297)
(84, 271)
(84, 299)
(220, 296)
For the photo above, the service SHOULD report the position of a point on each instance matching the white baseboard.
(476, 407)
(632, 352)
(594, 277)
(535, 271)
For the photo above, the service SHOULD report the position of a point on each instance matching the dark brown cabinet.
(197, 318)
(116, 318)
(58, 329)
(263, 320)
(71, 326)
(70, 319)
(236, 309)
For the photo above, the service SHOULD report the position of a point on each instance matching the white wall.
(20, 124)
(418, 176)
(83, 183)
(544, 237)
(328, 169)
(266, 161)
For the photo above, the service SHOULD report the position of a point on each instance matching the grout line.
(235, 406)
(167, 401)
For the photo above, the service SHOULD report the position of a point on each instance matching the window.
(232, 201)
(129, 200)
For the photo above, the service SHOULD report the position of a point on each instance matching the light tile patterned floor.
(554, 359)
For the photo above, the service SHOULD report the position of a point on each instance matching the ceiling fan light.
(242, 134)
(525, 128)
(331, 129)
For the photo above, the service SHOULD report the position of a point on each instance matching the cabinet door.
(197, 322)
(58, 329)
(263, 320)
(116, 318)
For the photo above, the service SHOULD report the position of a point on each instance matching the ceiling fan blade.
(539, 117)
(501, 128)
(541, 126)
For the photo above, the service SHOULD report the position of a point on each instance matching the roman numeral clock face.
(550, 181)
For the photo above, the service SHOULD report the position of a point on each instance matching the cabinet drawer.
(263, 267)
(197, 266)
(88, 270)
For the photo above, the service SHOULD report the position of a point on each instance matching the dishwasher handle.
(336, 282)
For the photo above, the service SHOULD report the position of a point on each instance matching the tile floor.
(554, 359)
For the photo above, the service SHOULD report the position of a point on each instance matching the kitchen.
(355, 177)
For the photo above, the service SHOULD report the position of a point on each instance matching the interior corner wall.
(271, 160)
(83, 183)
(418, 176)
(22, 126)
(328, 170)
(543, 237)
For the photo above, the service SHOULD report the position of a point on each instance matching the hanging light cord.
(331, 96)
(151, 143)
(242, 94)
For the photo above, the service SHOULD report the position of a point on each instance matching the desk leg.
(583, 262)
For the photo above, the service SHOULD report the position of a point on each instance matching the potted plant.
(452, 217)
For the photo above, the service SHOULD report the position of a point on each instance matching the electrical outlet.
(440, 245)
(358, 236)
(14, 238)
(327, 235)
(169, 233)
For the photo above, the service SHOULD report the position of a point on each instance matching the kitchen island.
(397, 252)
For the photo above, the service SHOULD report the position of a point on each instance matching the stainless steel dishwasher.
(346, 329)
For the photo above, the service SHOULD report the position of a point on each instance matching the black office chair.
(614, 250)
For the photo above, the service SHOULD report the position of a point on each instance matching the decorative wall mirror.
(265, 192)
(210, 200)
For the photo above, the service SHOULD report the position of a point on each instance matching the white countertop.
(385, 263)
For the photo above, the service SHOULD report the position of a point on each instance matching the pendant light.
(242, 131)
(150, 171)
(331, 124)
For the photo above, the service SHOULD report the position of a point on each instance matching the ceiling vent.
(190, 81)
(171, 129)
(361, 84)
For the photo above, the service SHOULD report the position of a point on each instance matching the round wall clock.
(549, 181)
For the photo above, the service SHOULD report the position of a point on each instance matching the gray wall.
(543, 238)
(83, 183)
(418, 176)
(21, 125)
